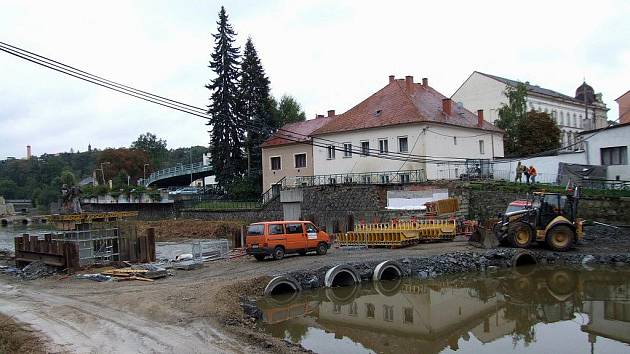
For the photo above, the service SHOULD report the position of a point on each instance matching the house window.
(365, 148)
(347, 150)
(481, 147)
(384, 178)
(382, 146)
(275, 163)
(331, 152)
(300, 160)
(402, 144)
(454, 140)
(617, 155)
(353, 309)
(407, 314)
(388, 313)
(370, 309)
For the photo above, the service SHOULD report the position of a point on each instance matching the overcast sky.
(327, 54)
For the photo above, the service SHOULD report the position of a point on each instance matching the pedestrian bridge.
(180, 175)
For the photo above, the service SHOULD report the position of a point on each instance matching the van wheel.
(259, 257)
(322, 248)
(278, 253)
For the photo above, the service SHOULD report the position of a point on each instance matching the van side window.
(310, 228)
(294, 228)
(276, 229)
(256, 230)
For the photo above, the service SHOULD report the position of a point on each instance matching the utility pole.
(191, 166)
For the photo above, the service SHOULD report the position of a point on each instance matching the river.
(536, 310)
(8, 233)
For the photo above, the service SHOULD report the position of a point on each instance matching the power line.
(201, 112)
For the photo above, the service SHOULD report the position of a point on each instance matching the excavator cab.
(550, 218)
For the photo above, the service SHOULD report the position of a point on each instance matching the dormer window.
(378, 113)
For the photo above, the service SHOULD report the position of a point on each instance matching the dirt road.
(190, 312)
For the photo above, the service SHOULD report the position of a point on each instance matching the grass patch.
(523, 188)
(217, 205)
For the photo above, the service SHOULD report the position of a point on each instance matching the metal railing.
(385, 177)
(557, 180)
(179, 170)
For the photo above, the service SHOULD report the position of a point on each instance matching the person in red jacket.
(532, 174)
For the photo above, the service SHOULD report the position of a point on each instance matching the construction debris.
(188, 265)
(36, 270)
(95, 277)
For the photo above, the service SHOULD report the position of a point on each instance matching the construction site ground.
(195, 311)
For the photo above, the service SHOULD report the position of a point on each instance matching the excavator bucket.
(483, 238)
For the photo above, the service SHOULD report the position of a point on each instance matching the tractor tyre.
(560, 238)
(520, 235)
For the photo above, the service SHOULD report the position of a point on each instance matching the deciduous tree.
(537, 133)
(289, 111)
(510, 116)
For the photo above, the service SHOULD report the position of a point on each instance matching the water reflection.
(536, 309)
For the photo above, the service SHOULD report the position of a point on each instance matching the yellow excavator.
(547, 217)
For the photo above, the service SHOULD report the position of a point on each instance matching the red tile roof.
(393, 105)
(299, 131)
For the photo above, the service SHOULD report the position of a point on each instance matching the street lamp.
(144, 173)
(191, 171)
(103, 172)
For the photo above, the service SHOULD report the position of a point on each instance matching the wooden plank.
(34, 246)
(143, 258)
(151, 244)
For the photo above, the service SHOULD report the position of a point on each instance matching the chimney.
(319, 116)
(392, 78)
(331, 113)
(28, 152)
(408, 83)
(480, 118)
(425, 82)
(447, 106)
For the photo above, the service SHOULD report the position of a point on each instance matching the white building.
(405, 126)
(609, 147)
(573, 115)
(606, 147)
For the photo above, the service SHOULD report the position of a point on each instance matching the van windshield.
(256, 230)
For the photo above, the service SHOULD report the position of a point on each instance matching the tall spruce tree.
(257, 107)
(226, 120)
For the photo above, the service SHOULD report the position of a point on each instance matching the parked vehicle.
(185, 191)
(548, 217)
(277, 238)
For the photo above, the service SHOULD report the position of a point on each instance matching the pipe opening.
(43, 221)
(4, 222)
(523, 259)
(343, 278)
(24, 221)
(390, 273)
(283, 288)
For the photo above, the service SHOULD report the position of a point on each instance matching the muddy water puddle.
(535, 310)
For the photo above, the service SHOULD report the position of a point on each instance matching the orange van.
(277, 238)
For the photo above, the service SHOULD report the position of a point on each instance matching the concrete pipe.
(388, 287)
(4, 222)
(387, 270)
(341, 275)
(26, 221)
(523, 258)
(282, 285)
(342, 295)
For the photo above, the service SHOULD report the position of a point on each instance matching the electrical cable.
(200, 112)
